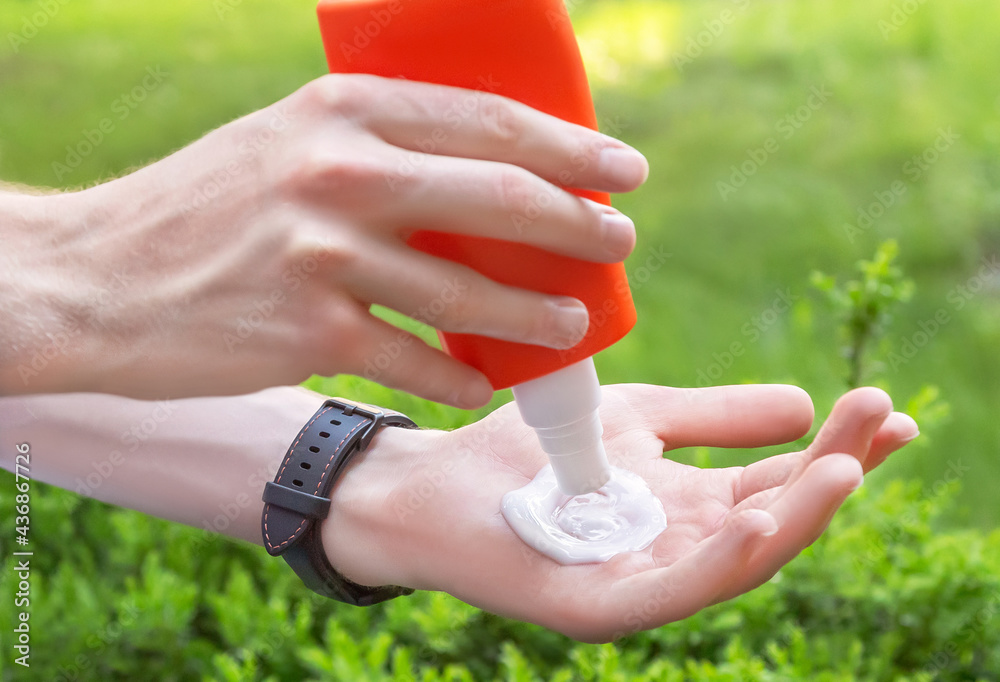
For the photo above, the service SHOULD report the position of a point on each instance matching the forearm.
(190, 461)
(44, 294)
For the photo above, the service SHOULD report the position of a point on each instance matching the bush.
(885, 595)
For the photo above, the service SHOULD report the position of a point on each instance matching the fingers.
(405, 155)
(722, 416)
(749, 549)
(397, 359)
(454, 298)
(479, 125)
(851, 426)
(489, 199)
(760, 482)
(802, 514)
(896, 431)
(860, 424)
(805, 509)
(663, 595)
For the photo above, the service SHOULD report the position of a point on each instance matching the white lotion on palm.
(578, 509)
(622, 516)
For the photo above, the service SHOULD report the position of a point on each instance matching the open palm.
(729, 530)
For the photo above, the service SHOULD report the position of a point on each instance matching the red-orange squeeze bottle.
(524, 50)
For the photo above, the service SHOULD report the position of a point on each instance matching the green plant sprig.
(865, 305)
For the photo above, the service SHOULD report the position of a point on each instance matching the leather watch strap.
(299, 498)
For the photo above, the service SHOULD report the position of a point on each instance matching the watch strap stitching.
(286, 460)
(303, 550)
(336, 452)
(275, 547)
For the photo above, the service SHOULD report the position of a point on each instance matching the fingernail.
(473, 396)
(617, 234)
(622, 166)
(859, 484)
(570, 320)
(906, 423)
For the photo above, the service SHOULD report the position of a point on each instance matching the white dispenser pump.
(562, 409)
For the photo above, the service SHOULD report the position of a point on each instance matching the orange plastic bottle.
(524, 50)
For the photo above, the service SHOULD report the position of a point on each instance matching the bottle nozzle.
(562, 408)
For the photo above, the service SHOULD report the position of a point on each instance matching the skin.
(729, 530)
(251, 258)
(299, 213)
(422, 508)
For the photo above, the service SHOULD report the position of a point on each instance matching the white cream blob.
(623, 516)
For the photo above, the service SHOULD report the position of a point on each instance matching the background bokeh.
(783, 137)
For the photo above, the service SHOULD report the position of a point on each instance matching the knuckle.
(349, 173)
(337, 255)
(329, 252)
(591, 221)
(455, 303)
(344, 94)
(450, 311)
(499, 120)
(459, 316)
(541, 325)
(518, 191)
(349, 179)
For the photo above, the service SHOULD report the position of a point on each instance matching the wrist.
(365, 536)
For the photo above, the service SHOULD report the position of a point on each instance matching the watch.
(298, 499)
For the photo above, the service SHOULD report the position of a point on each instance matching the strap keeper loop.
(310, 506)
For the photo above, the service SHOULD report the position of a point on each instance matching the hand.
(251, 258)
(431, 519)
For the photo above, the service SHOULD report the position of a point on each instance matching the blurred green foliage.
(783, 138)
